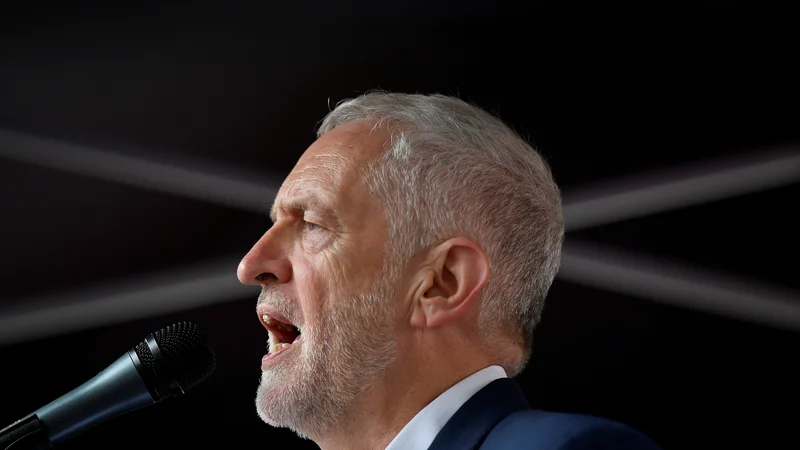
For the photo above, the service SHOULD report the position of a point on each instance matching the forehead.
(332, 167)
(352, 143)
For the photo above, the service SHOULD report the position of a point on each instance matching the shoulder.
(542, 430)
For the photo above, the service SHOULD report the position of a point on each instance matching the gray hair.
(452, 169)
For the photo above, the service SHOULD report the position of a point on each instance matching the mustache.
(277, 301)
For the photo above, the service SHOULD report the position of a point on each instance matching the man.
(411, 251)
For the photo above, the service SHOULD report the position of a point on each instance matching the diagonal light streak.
(208, 184)
(592, 206)
(631, 198)
(216, 282)
(205, 284)
(682, 286)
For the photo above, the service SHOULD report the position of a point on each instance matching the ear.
(448, 285)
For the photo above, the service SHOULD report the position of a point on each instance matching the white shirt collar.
(419, 433)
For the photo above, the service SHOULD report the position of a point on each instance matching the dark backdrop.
(602, 90)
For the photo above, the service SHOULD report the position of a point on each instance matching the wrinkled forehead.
(354, 141)
(341, 152)
(334, 164)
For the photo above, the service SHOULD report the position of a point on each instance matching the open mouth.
(281, 334)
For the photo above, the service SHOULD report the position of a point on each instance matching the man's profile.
(411, 251)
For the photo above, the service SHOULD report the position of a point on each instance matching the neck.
(382, 410)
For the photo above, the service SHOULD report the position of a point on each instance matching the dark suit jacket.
(498, 418)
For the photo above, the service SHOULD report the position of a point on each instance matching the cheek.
(337, 271)
(334, 270)
(313, 288)
(356, 268)
(317, 241)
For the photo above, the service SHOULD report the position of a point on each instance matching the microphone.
(167, 363)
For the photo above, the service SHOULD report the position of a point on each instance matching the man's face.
(321, 267)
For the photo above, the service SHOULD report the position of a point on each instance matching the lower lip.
(271, 356)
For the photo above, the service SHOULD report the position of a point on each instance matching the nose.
(266, 262)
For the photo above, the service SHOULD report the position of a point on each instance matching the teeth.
(274, 323)
(277, 347)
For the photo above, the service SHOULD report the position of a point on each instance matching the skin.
(317, 269)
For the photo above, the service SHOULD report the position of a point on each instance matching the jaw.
(342, 371)
(295, 393)
(311, 393)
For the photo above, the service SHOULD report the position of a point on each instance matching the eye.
(315, 237)
(310, 226)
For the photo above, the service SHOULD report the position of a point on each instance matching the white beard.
(312, 391)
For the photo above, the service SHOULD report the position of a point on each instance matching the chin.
(280, 403)
(273, 409)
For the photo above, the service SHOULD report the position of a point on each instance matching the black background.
(603, 89)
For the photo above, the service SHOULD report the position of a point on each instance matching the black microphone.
(165, 364)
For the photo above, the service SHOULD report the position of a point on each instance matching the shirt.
(419, 433)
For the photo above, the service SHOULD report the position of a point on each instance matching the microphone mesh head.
(187, 353)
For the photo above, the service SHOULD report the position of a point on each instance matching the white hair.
(452, 169)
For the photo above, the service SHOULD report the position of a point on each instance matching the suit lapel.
(472, 422)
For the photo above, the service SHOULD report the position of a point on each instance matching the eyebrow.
(298, 204)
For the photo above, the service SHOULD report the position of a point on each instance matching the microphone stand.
(27, 433)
